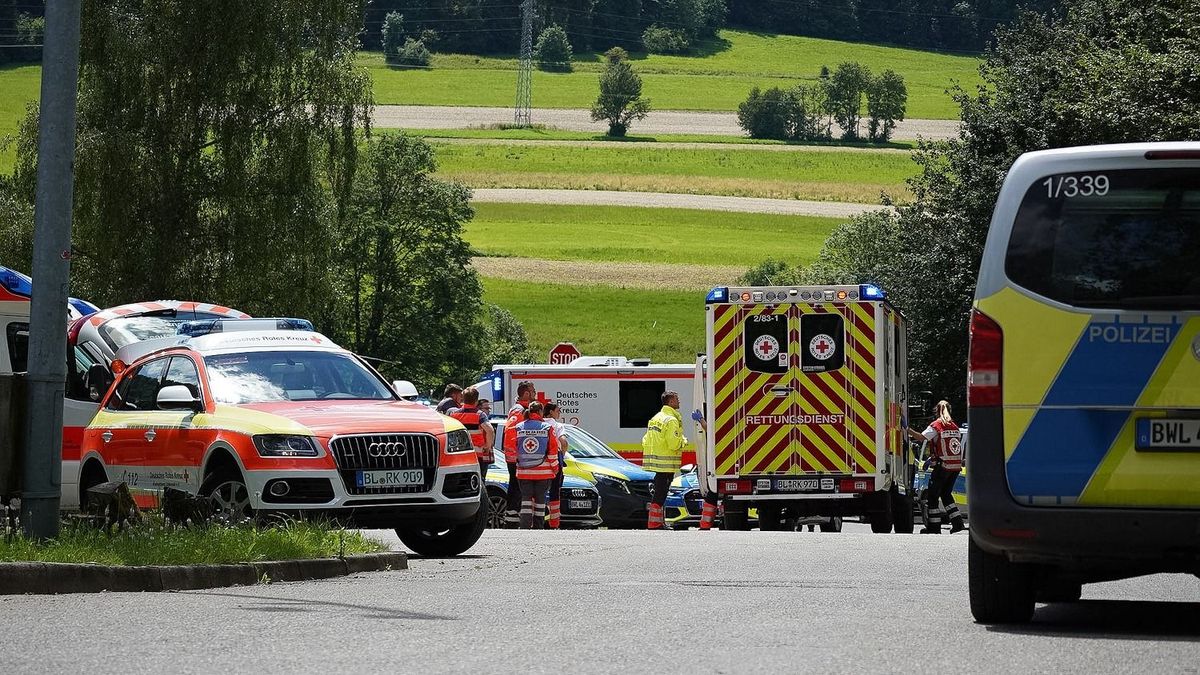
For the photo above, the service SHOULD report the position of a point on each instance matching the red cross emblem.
(766, 347)
(530, 445)
(822, 346)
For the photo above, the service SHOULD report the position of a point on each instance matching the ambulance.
(804, 392)
(1084, 376)
(612, 397)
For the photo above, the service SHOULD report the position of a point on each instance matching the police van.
(612, 397)
(804, 393)
(1084, 378)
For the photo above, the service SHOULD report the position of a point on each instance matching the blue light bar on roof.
(84, 307)
(16, 282)
(208, 326)
(871, 292)
(719, 294)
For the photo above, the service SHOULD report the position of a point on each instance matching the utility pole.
(523, 117)
(51, 267)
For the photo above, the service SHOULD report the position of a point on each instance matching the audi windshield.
(265, 377)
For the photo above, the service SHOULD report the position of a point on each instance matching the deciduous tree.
(620, 101)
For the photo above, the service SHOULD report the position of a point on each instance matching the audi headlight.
(459, 441)
(612, 482)
(279, 445)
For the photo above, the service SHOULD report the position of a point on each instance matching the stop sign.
(564, 353)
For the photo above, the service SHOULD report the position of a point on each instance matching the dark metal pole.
(51, 267)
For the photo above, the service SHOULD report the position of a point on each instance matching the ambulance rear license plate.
(798, 484)
(1168, 434)
(394, 478)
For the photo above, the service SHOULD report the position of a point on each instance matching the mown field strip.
(616, 234)
(665, 325)
(658, 276)
(667, 200)
(667, 145)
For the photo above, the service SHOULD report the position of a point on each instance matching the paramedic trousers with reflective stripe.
(512, 510)
(533, 507)
(941, 488)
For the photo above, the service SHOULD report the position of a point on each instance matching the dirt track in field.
(659, 276)
(792, 207)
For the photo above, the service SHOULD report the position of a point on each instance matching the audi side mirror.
(99, 379)
(179, 397)
(405, 389)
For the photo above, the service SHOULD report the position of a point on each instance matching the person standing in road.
(662, 446)
(525, 394)
(537, 465)
(945, 452)
(553, 416)
(711, 499)
(453, 399)
(478, 426)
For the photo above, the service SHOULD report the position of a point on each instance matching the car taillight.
(736, 487)
(983, 374)
(855, 485)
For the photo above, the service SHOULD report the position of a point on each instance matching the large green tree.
(216, 142)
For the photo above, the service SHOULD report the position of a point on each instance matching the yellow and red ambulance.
(267, 416)
(805, 400)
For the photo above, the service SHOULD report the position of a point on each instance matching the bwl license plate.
(1168, 434)
(797, 484)
(579, 504)
(396, 478)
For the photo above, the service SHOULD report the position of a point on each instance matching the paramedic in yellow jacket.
(662, 447)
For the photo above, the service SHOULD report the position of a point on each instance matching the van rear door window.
(1127, 239)
(18, 346)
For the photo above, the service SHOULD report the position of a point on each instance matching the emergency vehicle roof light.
(207, 326)
(719, 294)
(871, 292)
(16, 282)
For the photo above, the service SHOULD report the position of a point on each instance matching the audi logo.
(393, 449)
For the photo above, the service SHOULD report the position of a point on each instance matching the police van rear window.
(1127, 239)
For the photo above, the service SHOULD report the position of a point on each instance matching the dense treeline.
(493, 26)
(956, 25)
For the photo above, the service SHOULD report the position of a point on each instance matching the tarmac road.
(618, 602)
(657, 122)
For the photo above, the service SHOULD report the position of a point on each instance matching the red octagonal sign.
(564, 353)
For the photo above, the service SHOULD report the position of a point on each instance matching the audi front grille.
(369, 452)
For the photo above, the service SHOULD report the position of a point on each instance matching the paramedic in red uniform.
(477, 424)
(945, 447)
(553, 416)
(525, 393)
(537, 465)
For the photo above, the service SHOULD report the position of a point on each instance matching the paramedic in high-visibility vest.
(553, 416)
(662, 446)
(516, 414)
(537, 465)
(478, 426)
(945, 448)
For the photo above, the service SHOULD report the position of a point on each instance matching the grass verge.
(629, 234)
(666, 326)
(820, 175)
(718, 79)
(155, 544)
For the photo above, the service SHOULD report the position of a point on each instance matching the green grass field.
(718, 80)
(18, 86)
(544, 134)
(666, 326)
(625, 234)
(819, 175)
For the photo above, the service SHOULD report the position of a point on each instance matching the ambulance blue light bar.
(719, 294)
(208, 326)
(871, 292)
(16, 283)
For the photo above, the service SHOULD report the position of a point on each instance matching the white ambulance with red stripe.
(804, 393)
(612, 397)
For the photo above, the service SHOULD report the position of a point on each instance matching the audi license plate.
(1167, 434)
(579, 504)
(797, 484)
(394, 478)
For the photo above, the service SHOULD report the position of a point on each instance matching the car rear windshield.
(1127, 239)
(263, 377)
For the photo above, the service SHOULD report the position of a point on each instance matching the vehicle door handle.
(150, 435)
(106, 436)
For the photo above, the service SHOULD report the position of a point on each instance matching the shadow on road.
(1114, 619)
(274, 605)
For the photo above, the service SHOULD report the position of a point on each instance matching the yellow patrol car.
(1084, 379)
